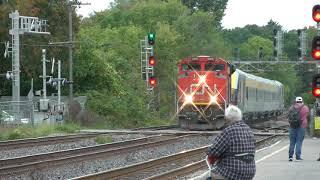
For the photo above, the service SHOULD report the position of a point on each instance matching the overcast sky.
(291, 14)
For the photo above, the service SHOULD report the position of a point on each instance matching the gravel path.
(58, 147)
(88, 167)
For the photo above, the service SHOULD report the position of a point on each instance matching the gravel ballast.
(94, 166)
(12, 153)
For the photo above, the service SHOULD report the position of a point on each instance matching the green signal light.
(151, 38)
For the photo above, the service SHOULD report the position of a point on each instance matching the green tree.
(215, 8)
(249, 50)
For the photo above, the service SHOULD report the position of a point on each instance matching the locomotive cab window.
(191, 67)
(214, 67)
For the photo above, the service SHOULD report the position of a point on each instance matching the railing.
(16, 113)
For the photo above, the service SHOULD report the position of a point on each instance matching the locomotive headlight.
(213, 100)
(188, 99)
(202, 79)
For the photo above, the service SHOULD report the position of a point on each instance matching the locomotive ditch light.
(316, 13)
(152, 61)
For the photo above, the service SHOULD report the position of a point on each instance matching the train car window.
(191, 67)
(214, 67)
(218, 67)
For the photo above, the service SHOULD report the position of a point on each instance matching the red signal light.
(316, 54)
(316, 92)
(152, 61)
(316, 13)
(152, 81)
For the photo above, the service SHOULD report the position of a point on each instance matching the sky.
(291, 14)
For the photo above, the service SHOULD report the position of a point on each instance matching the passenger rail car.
(206, 86)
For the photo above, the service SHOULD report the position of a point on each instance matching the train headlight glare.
(213, 99)
(202, 79)
(188, 99)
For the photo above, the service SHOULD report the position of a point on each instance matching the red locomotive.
(204, 92)
(206, 86)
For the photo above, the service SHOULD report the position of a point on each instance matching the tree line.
(107, 52)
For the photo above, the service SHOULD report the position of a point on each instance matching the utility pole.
(70, 4)
(70, 51)
(59, 85)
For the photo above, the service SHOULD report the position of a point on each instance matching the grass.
(101, 139)
(38, 131)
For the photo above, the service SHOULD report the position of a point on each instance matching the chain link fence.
(16, 113)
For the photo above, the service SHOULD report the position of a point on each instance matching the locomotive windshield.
(214, 67)
(190, 67)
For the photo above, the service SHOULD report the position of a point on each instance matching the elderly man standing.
(233, 150)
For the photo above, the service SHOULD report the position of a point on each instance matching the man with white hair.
(233, 150)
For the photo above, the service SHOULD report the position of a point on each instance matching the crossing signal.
(151, 38)
(152, 81)
(316, 48)
(316, 13)
(316, 85)
(152, 61)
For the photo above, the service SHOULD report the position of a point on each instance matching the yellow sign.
(317, 122)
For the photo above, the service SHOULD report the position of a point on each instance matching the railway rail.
(27, 164)
(183, 163)
(21, 143)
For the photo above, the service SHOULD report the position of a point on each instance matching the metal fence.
(16, 113)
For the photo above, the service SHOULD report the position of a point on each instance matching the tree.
(250, 49)
(215, 8)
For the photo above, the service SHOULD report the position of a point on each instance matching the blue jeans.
(296, 139)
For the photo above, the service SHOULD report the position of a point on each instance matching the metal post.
(70, 52)
(44, 74)
(59, 84)
(15, 56)
(147, 62)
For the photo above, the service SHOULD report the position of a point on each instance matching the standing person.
(233, 150)
(298, 113)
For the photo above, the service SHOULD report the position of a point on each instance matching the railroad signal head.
(152, 61)
(151, 38)
(152, 81)
(316, 13)
(316, 85)
(316, 48)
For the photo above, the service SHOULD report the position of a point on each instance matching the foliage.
(38, 131)
(31, 44)
(250, 49)
(215, 8)
(107, 53)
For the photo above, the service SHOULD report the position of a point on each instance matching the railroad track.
(21, 143)
(172, 166)
(28, 164)
(157, 127)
